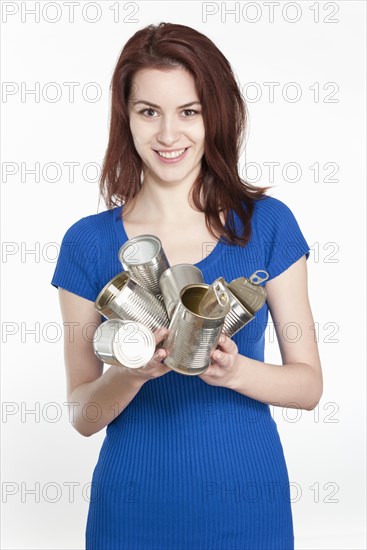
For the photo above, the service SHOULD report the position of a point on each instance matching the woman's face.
(167, 124)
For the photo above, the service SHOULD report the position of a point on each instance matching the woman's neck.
(168, 204)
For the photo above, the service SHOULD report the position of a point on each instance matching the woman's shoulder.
(265, 203)
(268, 210)
(278, 230)
(268, 204)
(91, 227)
(85, 254)
(272, 213)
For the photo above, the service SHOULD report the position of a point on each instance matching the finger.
(226, 344)
(156, 360)
(160, 334)
(159, 355)
(208, 372)
(217, 355)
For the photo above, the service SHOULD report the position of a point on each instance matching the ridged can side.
(191, 341)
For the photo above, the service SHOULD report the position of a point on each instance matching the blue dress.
(187, 465)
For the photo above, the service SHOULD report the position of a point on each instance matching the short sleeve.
(77, 264)
(282, 237)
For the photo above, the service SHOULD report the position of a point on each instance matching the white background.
(324, 448)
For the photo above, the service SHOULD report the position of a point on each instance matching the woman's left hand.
(224, 363)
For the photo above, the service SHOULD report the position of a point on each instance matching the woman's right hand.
(155, 368)
(88, 387)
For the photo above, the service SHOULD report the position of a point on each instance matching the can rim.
(145, 237)
(107, 293)
(202, 285)
(171, 269)
(144, 358)
(233, 299)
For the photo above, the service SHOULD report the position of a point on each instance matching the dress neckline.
(123, 237)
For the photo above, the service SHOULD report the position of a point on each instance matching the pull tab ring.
(257, 279)
(221, 294)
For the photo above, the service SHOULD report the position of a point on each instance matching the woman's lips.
(173, 160)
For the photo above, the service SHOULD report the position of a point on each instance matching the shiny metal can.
(124, 343)
(124, 298)
(174, 279)
(144, 258)
(192, 337)
(248, 292)
(237, 317)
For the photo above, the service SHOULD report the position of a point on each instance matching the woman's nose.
(169, 131)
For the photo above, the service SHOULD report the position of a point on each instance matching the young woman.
(188, 462)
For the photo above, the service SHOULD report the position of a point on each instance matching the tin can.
(192, 337)
(124, 298)
(174, 279)
(144, 258)
(238, 315)
(248, 292)
(124, 343)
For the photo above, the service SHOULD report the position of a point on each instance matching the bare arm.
(297, 383)
(97, 397)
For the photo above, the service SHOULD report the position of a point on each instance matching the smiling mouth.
(172, 154)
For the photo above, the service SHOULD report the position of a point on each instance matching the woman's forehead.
(158, 83)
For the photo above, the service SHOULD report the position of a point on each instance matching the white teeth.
(172, 155)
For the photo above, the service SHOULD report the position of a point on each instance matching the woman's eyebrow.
(158, 107)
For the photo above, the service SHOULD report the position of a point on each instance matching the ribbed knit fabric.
(189, 466)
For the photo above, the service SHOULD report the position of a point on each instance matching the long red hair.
(218, 186)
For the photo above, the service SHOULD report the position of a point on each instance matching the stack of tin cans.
(151, 294)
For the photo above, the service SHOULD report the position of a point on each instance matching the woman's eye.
(192, 111)
(147, 110)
